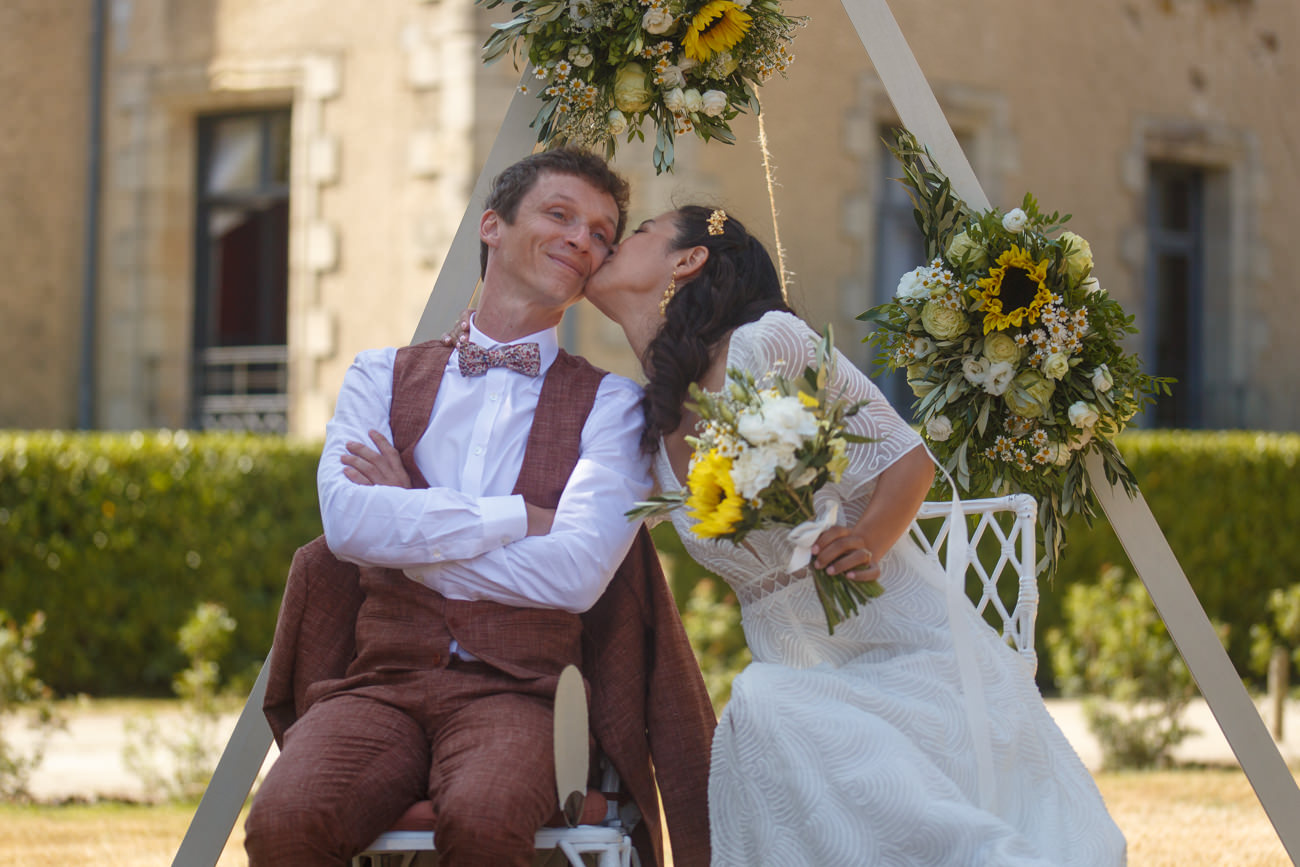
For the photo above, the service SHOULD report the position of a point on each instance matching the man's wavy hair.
(511, 186)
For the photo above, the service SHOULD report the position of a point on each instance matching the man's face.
(562, 232)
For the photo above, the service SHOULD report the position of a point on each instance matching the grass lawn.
(1184, 818)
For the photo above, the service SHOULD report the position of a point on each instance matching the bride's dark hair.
(738, 284)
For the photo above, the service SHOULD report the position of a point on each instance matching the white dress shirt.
(465, 535)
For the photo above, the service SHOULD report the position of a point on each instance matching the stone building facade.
(279, 181)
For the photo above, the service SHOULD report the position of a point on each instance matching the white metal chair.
(609, 840)
(1016, 557)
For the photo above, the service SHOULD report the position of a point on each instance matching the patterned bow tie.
(523, 358)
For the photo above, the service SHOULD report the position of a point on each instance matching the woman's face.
(642, 263)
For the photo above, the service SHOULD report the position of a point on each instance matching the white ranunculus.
(1102, 381)
(581, 13)
(714, 102)
(581, 56)
(617, 122)
(939, 428)
(657, 20)
(1083, 415)
(976, 370)
(922, 346)
(1015, 221)
(674, 100)
(999, 377)
(1056, 365)
(943, 322)
(694, 102)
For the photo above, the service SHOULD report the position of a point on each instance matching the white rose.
(657, 20)
(617, 122)
(1079, 441)
(1015, 221)
(1059, 454)
(672, 77)
(976, 370)
(999, 377)
(911, 286)
(939, 428)
(1102, 381)
(1083, 415)
(694, 102)
(714, 102)
(1091, 286)
(1000, 347)
(752, 472)
(581, 56)
(581, 11)
(674, 100)
(686, 64)
(781, 421)
(1056, 365)
(922, 346)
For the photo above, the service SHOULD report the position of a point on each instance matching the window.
(242, 272)
(899, 248)
(1175, 290)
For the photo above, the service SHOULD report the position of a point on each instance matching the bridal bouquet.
(764, 449)
(1012, 349)
(604, 67)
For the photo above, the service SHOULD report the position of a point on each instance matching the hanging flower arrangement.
(1012, 349)
(604, 68)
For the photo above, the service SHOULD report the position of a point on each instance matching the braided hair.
(737, 284)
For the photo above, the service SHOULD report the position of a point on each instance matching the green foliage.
(712, 621)
(117, 536)
(1115, 650)
(1227, 504)
(1281, 629)
(21, 690)
(193, 749)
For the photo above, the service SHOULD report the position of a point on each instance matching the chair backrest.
(1010, 521)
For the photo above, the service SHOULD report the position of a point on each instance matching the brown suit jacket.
(650, 712)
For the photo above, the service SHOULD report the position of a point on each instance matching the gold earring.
(668, 294)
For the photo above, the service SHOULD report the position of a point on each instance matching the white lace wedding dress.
(866, 748)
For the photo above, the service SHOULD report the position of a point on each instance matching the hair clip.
(716, 219)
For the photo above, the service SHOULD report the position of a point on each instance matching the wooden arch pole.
(1131, 519)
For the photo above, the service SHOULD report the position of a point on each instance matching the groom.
(480, 547)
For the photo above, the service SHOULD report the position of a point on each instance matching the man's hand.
(843, 551)
(381, 465)
(539, 519)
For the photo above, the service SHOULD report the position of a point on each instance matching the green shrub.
(117, 537)
(22, 692)
(1115, 651)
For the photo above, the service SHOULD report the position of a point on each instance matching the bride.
(868, 746)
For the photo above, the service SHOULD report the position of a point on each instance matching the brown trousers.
(471, 738)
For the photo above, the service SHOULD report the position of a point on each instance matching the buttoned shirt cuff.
(505, 519)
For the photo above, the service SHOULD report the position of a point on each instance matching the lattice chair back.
(1016, 559)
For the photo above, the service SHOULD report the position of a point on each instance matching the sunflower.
(720, 25)
(1014, 292)
(713, 500)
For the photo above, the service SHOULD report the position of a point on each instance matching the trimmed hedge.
(117, 537)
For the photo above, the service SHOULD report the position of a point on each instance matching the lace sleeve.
(783, 344)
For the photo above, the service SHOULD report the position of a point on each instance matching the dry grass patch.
(1184, 818)
(1188, 818)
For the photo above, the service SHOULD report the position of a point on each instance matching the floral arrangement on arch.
(602, 68)
(1012, 349)
(764, 448)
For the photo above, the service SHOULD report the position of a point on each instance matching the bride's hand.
(458, 333)
(843, 551)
